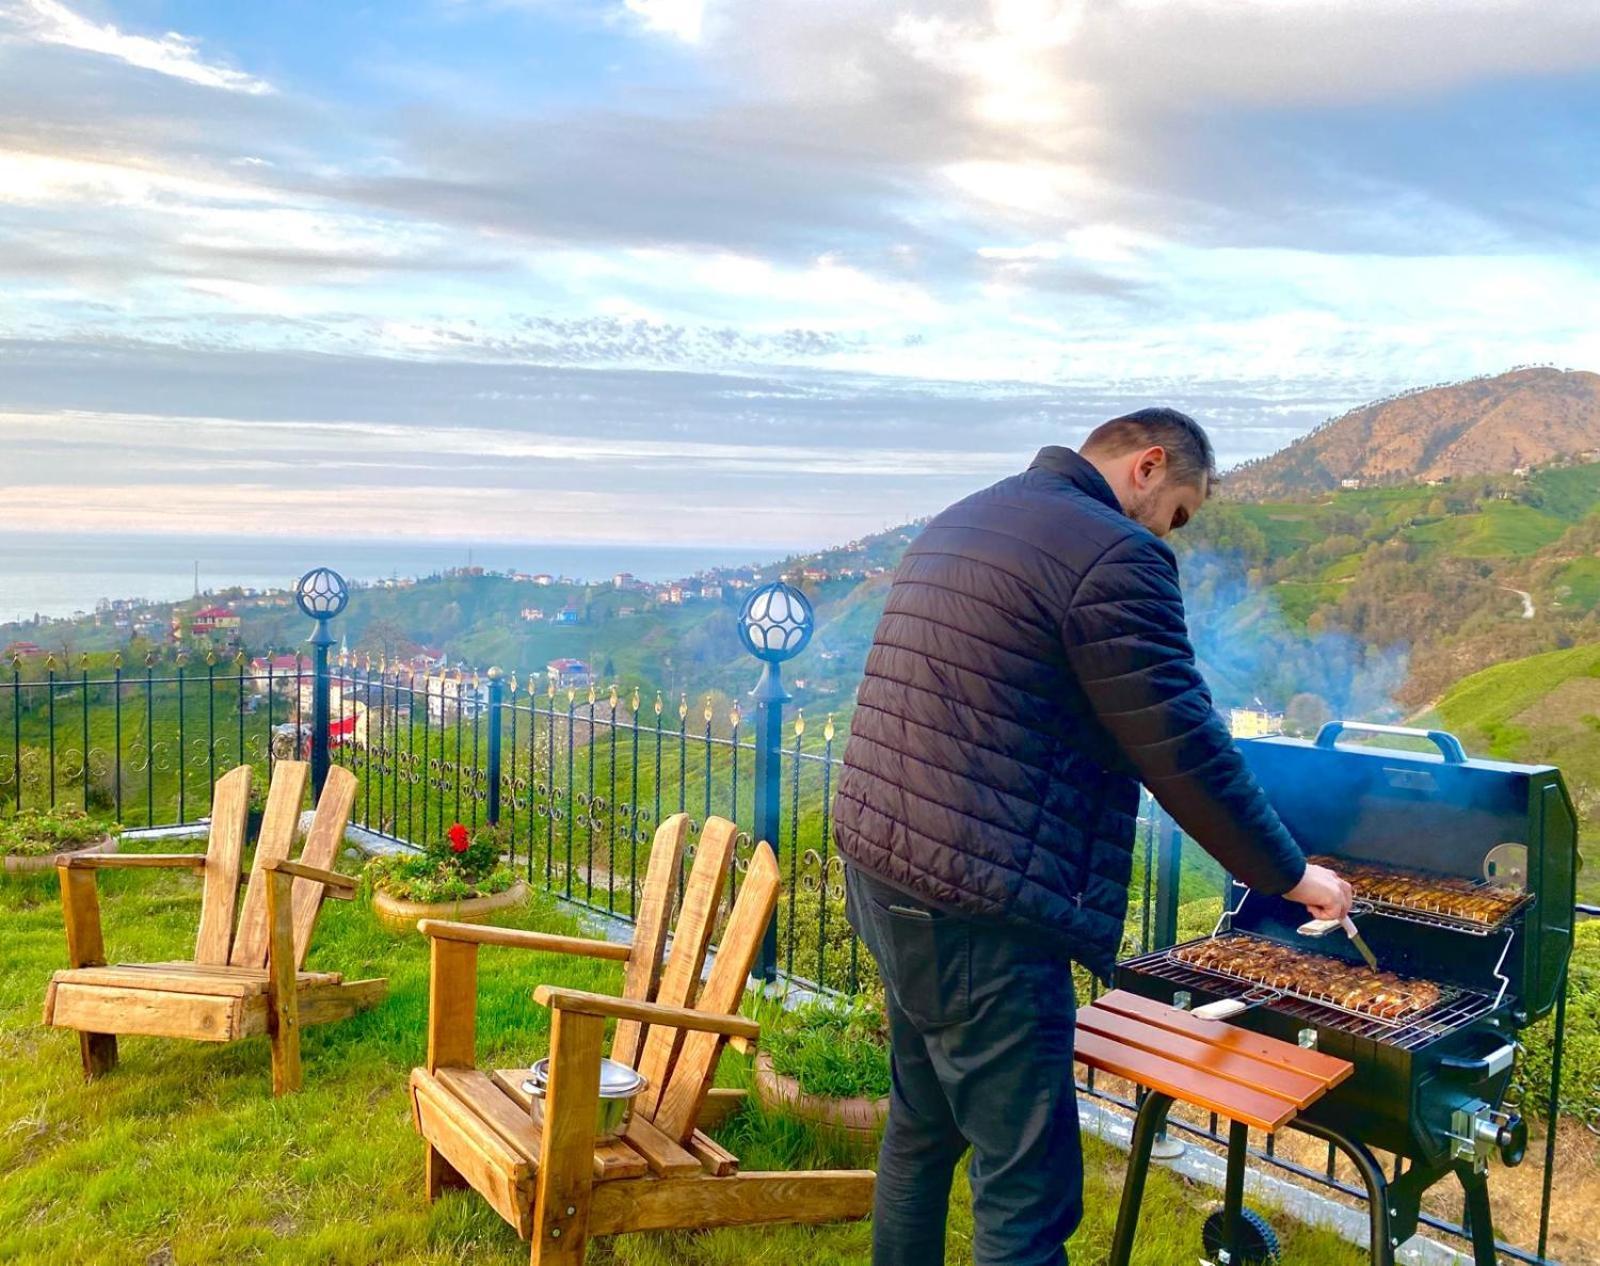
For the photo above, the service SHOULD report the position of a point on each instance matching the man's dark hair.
(1189, 453)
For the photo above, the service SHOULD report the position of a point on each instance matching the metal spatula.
(1321, 927)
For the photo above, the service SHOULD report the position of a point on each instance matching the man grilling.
(1031, 669)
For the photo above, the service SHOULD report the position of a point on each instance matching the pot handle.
(1447, 743)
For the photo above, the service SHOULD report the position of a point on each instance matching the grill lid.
(1437, 811)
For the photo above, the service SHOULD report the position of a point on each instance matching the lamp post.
(321, 594)
(775, 625)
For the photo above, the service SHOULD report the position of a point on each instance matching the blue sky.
(769, 273)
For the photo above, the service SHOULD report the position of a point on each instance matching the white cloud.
(174, 54)
(684, 19)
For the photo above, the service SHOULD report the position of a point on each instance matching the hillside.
(1545, 708)
(1486, 426)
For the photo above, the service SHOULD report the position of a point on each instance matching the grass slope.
(1544, 708)
(181, 1155)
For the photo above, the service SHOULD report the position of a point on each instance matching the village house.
(544, 578)
(568, 674)
(214, 622)
(533, 614)
(276, 672)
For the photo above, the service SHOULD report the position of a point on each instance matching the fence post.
(775, 625)
(1169, 876)
(321, 594)
(497, 696)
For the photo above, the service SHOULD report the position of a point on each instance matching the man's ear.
(1150, 461)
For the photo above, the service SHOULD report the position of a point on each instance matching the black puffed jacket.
(1031, 669)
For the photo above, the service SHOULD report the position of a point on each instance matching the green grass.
(182, 1155)
(1487, 702)
(1569, 492)
(1298, 600)
(1581, 579)
(1502, 529)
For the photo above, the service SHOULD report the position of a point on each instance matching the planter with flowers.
(827, 1062)
(461, 877)
(32, 839)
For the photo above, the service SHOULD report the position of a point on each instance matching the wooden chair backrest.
(230, 808)
(652, 917)
(681, 976)
(323, 842)
(278, 825)
(689, 1081)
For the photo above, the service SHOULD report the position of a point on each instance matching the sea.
(57, 574)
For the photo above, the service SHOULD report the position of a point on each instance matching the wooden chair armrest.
(744, 1032)
(516, 938)
(134, 861)
(340, 886)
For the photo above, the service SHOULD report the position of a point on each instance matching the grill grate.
(1458, 1007)
(1425, 906)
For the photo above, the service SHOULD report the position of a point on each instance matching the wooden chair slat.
(494, 1169)
(1330, 1070)
(689, 942)
(652, 920)
(1258, 1108)
(663, 1155)
(717, 1160)
(679, 1105)
(230, 808)
(322, 850)
(278, 825)
(1285, 1083)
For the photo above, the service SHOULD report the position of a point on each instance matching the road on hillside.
(1527, 601)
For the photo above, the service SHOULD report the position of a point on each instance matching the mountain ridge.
(1494, 425)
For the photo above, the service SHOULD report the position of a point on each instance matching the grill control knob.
(1512, 1140)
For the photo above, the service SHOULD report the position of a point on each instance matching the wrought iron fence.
(576, 775)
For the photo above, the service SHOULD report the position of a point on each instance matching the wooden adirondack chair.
(240, 983)
(551, 1180)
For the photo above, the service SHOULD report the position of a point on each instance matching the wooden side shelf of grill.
(1177, 1057)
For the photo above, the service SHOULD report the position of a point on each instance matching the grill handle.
(1490, 1065)
(1448, 744)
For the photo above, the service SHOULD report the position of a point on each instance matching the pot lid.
(617, 1081)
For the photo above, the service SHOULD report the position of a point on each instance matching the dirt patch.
(1564, 707)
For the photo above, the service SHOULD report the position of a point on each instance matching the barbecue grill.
(1430, 1082)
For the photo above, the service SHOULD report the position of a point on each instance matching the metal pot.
(618, 1085)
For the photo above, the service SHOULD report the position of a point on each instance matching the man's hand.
(1323, 893)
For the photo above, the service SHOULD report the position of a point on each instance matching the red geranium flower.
(459, 838)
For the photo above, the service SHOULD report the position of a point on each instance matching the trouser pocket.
(923, 954)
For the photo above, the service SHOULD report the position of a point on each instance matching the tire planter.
(400, 916)
(857, 1119)
(47, 861)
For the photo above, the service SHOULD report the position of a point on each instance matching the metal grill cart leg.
(1152, 1116)
(1380, 1207)
(1479, 1219)
(1233, 1189)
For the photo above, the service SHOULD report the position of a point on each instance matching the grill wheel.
(1258, 1242)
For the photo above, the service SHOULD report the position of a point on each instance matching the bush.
(40, 832)
(1580, 1059)
(463, 864)
(834, 1047)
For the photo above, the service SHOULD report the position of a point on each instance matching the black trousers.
(981, 1029)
